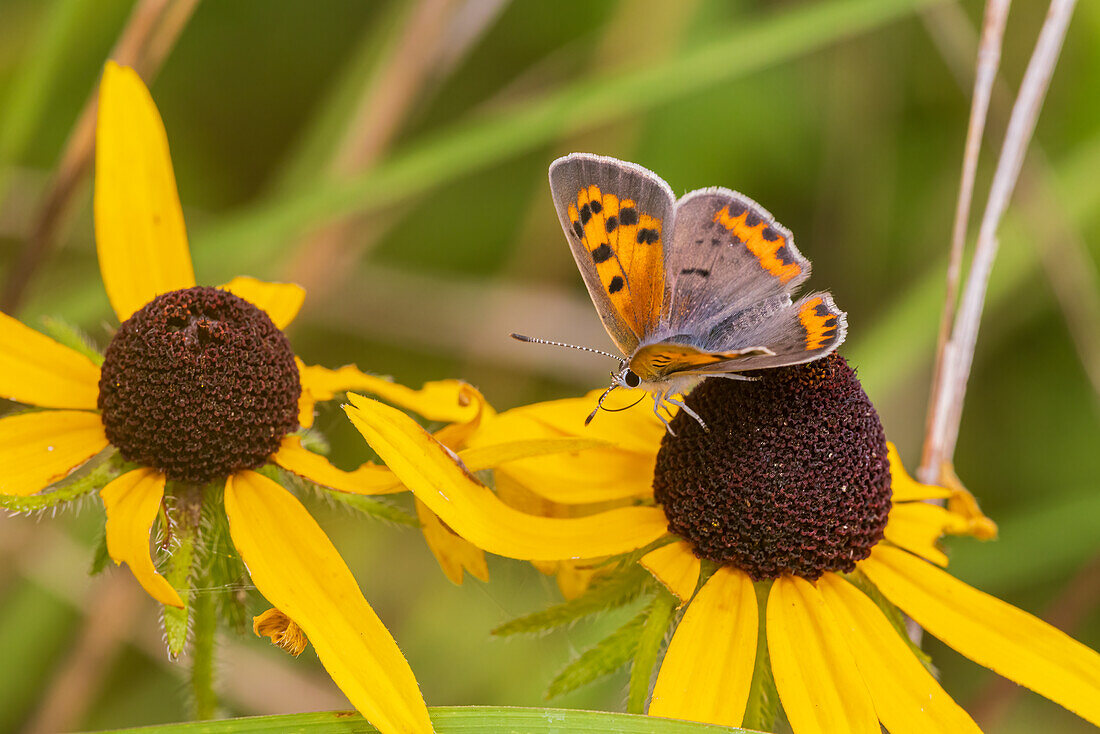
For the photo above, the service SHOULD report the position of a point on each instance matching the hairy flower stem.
(649, 645)
(204, 700)
(181, 566)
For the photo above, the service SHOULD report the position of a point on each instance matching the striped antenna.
(533, 340)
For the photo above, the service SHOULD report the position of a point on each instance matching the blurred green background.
(391, 157)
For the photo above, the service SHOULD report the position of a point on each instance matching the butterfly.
(687, 288)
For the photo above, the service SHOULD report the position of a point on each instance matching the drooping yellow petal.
(281, 630)
(280, 301)
(815, 674)
(916, 526)
(965, 505)
(446, 401)
(990, 632)
(904, 487)
(454, 554)
(296, 567)
(675, 566)
(634, 428)
(437, 478)
(574, 577)
(132, 502)
(490, 457)
(37, 449)
(707, 670)
(36, 370)
(139, 230)
(907, 699)
(369, 479)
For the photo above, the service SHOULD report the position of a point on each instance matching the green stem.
(202, 657)
(649, 645)
(763, 704)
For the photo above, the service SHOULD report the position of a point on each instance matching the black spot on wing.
(770, 234)
(752, 219)
(596, 206)
(822, 310)
(578, 230)
(701, 272)
(628, 217)
(784, 256)
(615, 285)
(648, 236)
(586, 213)
(602, 254)
(611, 224)
(736, 208)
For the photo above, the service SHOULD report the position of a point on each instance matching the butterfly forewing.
(615, 216)
(727, 254)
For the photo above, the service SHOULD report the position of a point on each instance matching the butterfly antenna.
(599, 404)
(534, 340)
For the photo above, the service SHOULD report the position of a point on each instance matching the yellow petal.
(815, 674)
(908, 700)
(599, 474)
(446, 401)
(489, 457)
(280, 301)
(990, 632)
(368, 479)
(574, 577)
(37, 449)
(306, 401)
(904, 487)
(431, 471)
(132, 502)
(281, 630)
(635, 429)
(675, 566)
(916, 526)
(139, 228)
(965, 505)
(295, 566)
(453, 553)
(36, 370)
(707, 670)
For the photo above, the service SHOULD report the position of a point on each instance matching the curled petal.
(368, 479)
(916, 526)
(965, 505)
(280, 301)
(281, 630)
(37, 449)
(675, 566)
(816, 676)
(454, 554)
(707, 670)
(132, 502)
(436, 476)
(446, 401)
(990, 632)
(908, 700)
(36, 370)
(904, 487)
(139, 228)
(296, 567)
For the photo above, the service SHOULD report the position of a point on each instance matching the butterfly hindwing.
(791, 333)
(727, 254)
(615, 216)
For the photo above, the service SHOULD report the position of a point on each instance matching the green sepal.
(72, 336)
(602, 659)
(181, 567)
(608, 592)
(95, 479)
(658, 615)
(763, 703)
(221, 572)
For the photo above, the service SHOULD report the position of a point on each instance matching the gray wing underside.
(711, 266)
(627, 181)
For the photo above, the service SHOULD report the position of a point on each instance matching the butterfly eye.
(631, 379)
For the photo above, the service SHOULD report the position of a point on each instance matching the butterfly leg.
(657, 399)
(683, 406)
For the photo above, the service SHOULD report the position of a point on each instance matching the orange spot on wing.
(818, 321)
(766, 251)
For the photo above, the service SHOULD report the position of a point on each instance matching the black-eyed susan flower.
(198, 391)
(787, 533)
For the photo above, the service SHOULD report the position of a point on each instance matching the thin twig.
(989, 58)
(959, 351)
(150, 32)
